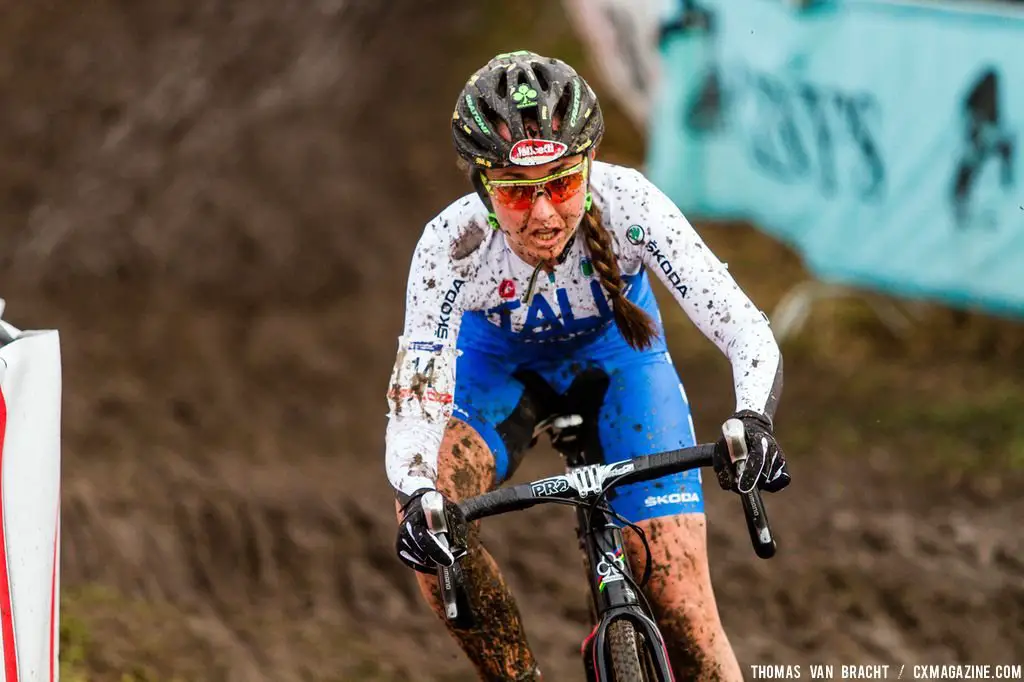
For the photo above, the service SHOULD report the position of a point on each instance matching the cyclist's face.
(539, 218)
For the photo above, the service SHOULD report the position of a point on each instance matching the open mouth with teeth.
(546, 236)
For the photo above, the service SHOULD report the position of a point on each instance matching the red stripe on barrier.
(6, 612)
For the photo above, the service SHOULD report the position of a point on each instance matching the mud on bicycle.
(625, 644)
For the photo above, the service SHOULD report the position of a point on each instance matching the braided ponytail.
(633, 322)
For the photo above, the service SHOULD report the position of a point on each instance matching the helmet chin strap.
(587, 203)
(478, 185)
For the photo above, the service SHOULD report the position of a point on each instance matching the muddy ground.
(215, 203)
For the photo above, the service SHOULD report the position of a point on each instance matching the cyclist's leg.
(489, 423)
(646, 412)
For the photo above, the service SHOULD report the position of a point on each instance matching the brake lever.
(432, 504)
(753, 506)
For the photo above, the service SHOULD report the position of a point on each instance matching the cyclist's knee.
(679, 560)
(465, 465)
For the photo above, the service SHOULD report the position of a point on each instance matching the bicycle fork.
(613, 597)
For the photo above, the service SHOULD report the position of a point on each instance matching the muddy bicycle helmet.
(517, 85)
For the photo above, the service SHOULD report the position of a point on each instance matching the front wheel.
(624, 652)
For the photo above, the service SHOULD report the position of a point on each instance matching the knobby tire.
(625, 653)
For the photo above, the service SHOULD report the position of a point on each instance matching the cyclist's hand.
(766, 463)
(418, 548)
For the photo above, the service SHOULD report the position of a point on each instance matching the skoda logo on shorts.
(671, 498)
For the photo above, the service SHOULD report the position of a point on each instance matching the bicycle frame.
(609, 575)
(612, 596)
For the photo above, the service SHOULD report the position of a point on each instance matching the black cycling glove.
(420, 550)
(766, 463)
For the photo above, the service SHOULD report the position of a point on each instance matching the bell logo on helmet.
(536, 152)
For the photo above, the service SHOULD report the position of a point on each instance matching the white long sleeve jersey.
(461, 264)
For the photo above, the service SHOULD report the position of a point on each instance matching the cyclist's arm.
(422, 385)
(709, 295)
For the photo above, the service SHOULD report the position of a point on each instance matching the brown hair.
(633, 322)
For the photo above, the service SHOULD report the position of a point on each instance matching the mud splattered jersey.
(467, 287)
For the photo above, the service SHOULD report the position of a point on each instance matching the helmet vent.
(522, 95)
(562, 108)
(489, 115)
(542, 77)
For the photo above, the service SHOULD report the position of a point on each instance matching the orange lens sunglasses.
(518, 195)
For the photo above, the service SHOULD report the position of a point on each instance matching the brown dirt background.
(215, 203)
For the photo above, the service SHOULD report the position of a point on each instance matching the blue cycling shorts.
(645, 410)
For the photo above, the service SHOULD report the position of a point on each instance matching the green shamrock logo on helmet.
(525, 96)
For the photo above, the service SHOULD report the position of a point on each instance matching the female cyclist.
(543, 268)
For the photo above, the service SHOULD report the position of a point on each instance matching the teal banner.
(881, 140)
